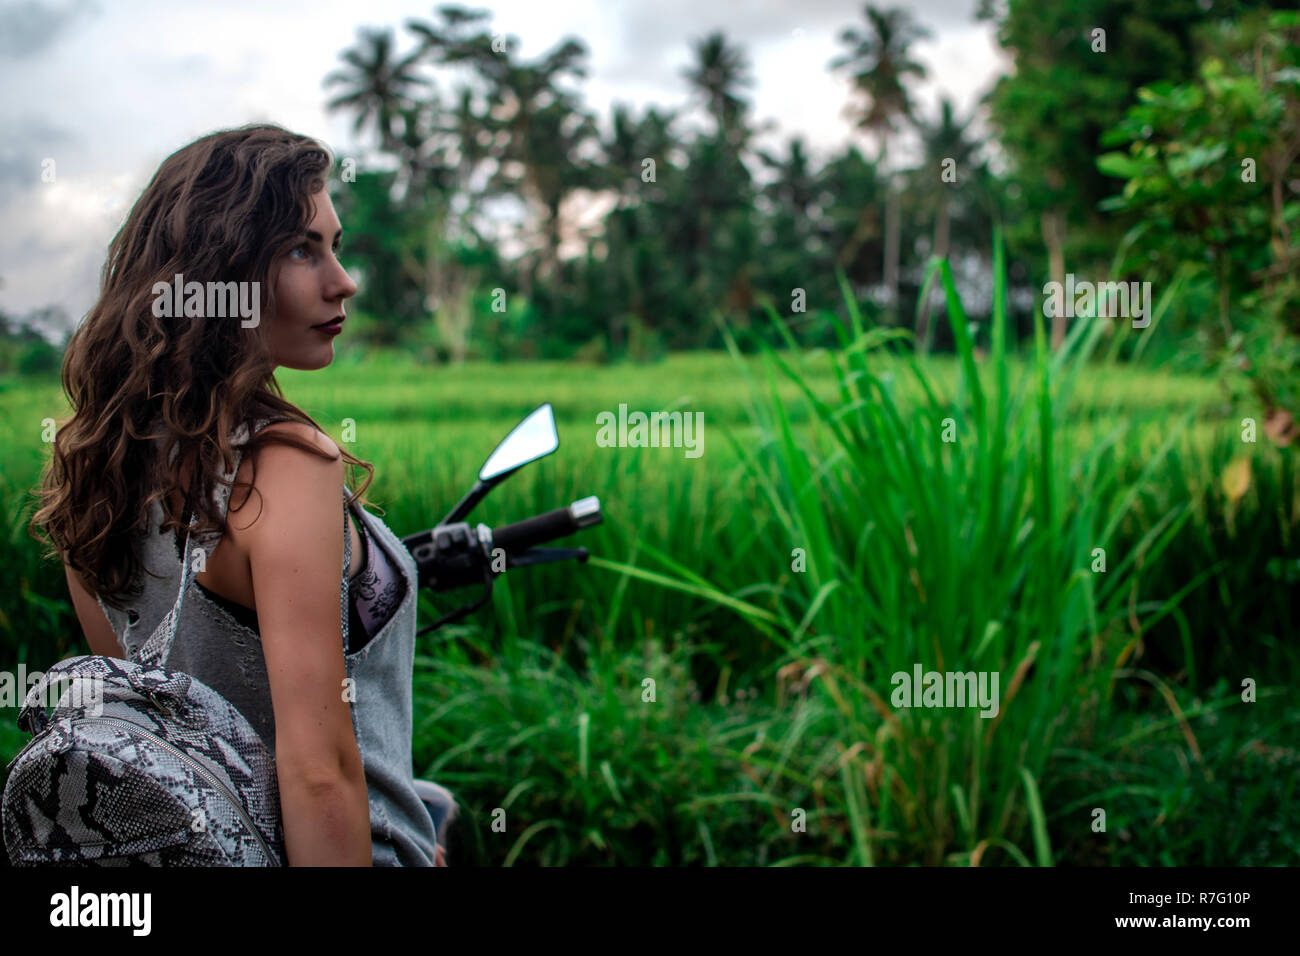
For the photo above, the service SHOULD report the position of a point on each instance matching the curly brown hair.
(224, 208)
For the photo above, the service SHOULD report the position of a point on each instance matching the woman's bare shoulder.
(285, 471)
(303, 432)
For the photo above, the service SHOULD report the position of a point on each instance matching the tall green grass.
(974, 554)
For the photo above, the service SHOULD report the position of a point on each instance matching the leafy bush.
(959, 535)
(1210, 167)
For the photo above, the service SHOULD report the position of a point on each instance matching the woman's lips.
(333, 327)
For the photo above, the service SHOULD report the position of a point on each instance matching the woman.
(176, 412)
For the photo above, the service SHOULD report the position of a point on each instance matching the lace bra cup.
(375, 592)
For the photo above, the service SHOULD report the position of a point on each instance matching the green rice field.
(714, 686)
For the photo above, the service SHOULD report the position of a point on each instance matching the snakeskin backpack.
(140, 765)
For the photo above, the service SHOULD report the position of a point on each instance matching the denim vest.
(214, 647)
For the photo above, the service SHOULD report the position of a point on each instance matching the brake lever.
(460, 612)
(545, 556)
(521, 560)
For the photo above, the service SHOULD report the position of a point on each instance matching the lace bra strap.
(345, 591)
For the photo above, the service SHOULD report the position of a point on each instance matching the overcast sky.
(110, 88)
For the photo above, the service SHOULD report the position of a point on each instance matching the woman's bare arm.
(295, 550)
(99, 632)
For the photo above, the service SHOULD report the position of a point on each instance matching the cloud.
(31, 27)
(789, 48)
(25, 143)
(652, 38)
(56, 257)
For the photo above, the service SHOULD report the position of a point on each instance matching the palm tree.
(720, 236)
(945, 140)
(547, 129)
(629, 228)
(793, 228)
(378, 88)
(537, 129)
(719, 73)
(469, 125)
(550, 156)
(881, 68)
(791, 194)
(630, 143)
(794, 188)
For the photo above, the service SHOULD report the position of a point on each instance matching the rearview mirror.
(533, 438)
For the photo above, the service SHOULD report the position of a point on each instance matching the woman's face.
(309, 292)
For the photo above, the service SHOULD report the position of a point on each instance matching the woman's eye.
(306, 248)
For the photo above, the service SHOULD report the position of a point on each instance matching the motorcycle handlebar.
(522, 535)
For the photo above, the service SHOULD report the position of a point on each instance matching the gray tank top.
(214, 647)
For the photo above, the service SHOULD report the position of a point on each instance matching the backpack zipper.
(203, 771)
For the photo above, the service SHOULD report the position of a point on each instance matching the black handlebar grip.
(522, 535)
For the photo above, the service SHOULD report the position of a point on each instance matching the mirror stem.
(475, 495)
(466, 504)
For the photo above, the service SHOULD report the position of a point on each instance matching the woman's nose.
(343, 286)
